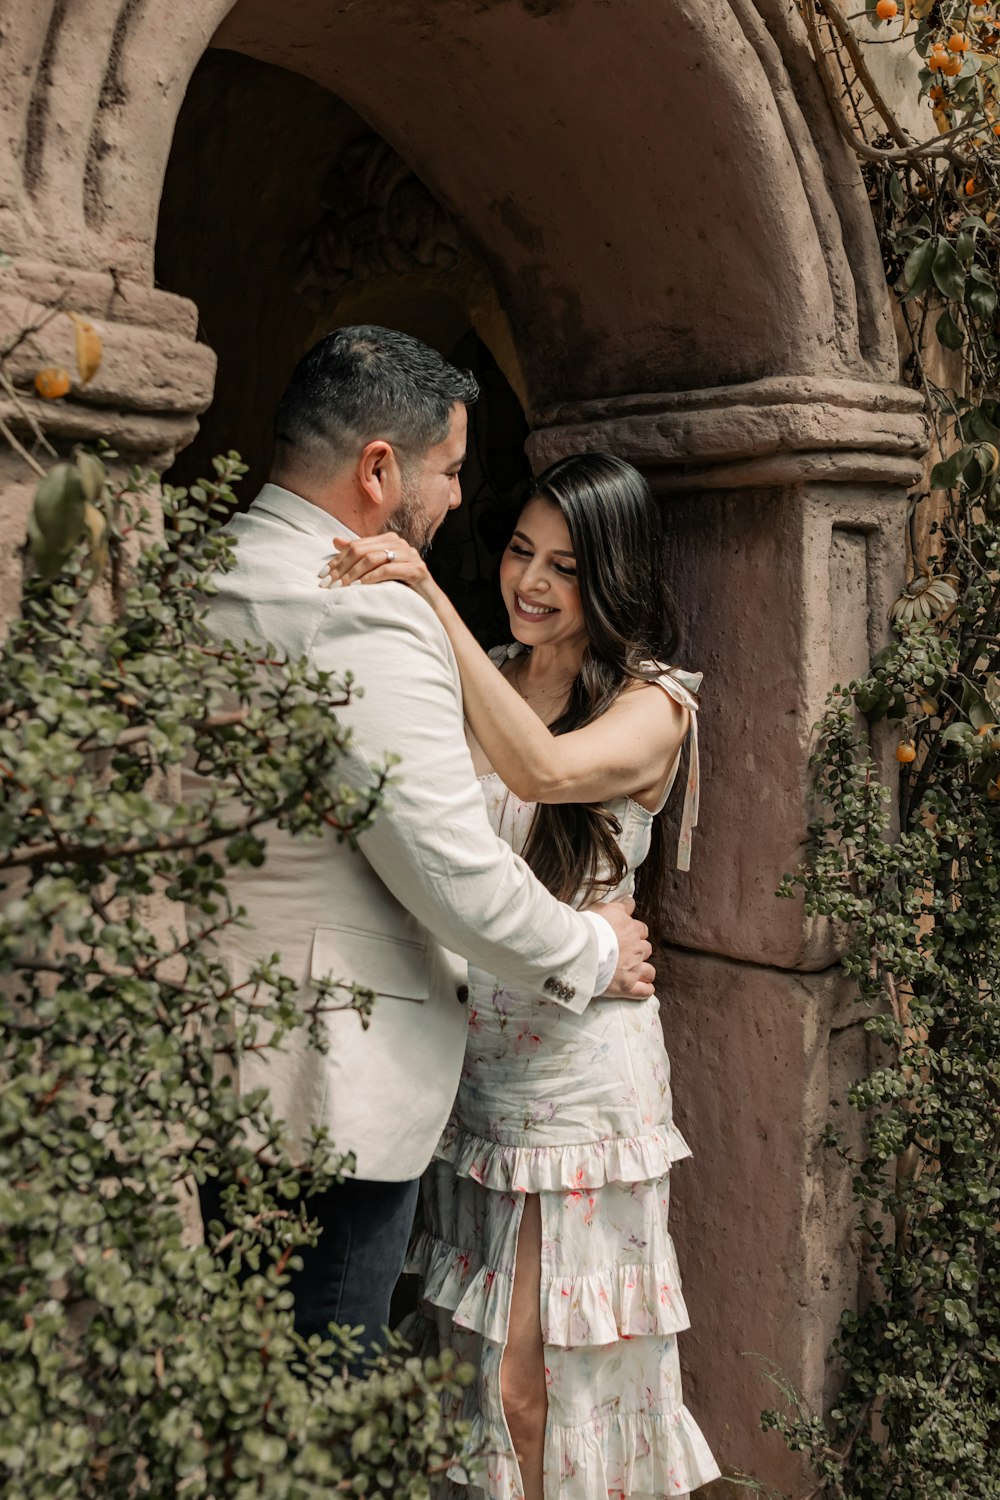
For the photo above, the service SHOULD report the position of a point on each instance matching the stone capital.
(154, 378)
(785, 430)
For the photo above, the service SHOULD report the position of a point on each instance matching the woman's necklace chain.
(546, 702)
(538, 694)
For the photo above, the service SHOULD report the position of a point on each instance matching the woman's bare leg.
(522, 1371)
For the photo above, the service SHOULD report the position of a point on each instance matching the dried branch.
(911, 151)
(29, 416)
(28, 856)
(851, 46)
(58, 306)
(142, 732)
(19, 447)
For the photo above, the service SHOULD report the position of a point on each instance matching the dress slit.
(576, 1109)
(519, 1270)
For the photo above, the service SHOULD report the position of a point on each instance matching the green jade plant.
(133, 1361)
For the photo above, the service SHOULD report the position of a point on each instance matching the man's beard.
(409, 519)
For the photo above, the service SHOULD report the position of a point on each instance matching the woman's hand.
(379, 559)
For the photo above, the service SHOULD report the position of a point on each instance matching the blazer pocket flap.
(390, 966)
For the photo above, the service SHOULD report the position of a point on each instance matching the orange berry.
(951, 66)
(906, 751)
(52, 382)
(886, 9)
(996, 128)
(936, 59)
(958, 42)
(970, 187)
(937, 92)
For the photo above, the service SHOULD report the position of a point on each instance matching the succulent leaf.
(59, 504)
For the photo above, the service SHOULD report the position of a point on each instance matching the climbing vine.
(916, 885)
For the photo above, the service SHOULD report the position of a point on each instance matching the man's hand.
(634, 976)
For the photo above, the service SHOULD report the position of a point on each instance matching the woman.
(546, 1258)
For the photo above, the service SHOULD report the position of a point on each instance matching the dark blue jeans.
(349, 1274)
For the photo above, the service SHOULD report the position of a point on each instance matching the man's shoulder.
(389, 606)
(276, 574)
(390, 639)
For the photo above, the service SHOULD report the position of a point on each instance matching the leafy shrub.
(132, 1360)
(918, 1414)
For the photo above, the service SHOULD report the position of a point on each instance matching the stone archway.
(283, 216)
(681, 250)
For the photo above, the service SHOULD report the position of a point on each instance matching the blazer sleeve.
(431, 843)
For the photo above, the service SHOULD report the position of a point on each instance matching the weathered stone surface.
(761, 1215)
(148, 439)
(142, 369)
(153, 379)
(17, 490)
(575, 202)
(91, 93)
(772, 431)
(99, 294)
(770, 391)
(775, 611)
(745, 281)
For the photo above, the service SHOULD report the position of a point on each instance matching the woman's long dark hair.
(631, 621)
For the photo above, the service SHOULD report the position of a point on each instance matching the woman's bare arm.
(628, 751)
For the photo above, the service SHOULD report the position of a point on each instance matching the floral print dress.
(577, 1109)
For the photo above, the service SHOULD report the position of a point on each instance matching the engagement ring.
(389, 556)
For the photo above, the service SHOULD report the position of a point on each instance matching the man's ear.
(375, 473)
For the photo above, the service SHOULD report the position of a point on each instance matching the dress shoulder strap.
(683, 688)
(499, 654)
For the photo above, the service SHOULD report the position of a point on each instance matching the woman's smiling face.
(538, 579)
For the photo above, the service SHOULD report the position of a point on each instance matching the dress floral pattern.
(575, 1108)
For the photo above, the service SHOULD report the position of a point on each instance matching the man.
(371, 436)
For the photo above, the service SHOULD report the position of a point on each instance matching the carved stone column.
(153, 381)
(783, 502)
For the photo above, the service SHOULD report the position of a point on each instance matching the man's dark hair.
(363, 383)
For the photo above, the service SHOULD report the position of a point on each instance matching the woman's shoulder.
(678, 682)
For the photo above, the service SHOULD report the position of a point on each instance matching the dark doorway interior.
(282, 217)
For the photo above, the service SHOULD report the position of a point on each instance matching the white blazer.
(431, 879)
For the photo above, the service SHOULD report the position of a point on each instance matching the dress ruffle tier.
(576, 1109)
(510, 1168)
(620, 1318)
(616, 1302)
(641, 1456)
